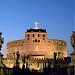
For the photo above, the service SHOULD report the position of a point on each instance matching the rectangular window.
(43, 38)
(38, 35)
(33, 35)
(28, 35)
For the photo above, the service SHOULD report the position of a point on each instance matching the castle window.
(37, 58)
(33, 35)
(23, 41)
(27, 38)
(38, 40)
(28, 35)
(43, 38)
(61, 43)
(38, 35)
(43, 35)
(42, 58)
(35, 40)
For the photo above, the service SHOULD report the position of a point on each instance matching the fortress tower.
(37, 46)
(36, 42)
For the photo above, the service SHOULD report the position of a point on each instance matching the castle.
(37, 45)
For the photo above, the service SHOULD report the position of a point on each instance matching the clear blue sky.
(56, 16)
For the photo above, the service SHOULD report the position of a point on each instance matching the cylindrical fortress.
(36, 42)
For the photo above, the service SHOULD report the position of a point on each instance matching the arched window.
(35, 40)
(43, 35)
(38, 40)
(27, 38)
(43, 38)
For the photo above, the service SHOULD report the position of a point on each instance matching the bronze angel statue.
(72, 40)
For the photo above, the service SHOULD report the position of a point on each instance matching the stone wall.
(47, 47)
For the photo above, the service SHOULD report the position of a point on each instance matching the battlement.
(36, 30)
